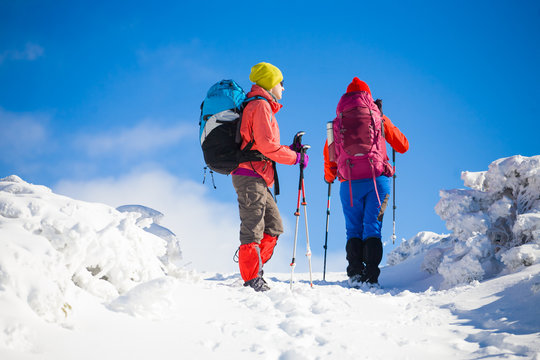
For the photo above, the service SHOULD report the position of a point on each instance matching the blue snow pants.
(361, 219)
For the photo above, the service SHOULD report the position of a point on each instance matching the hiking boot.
(373, 251)
(355, 255)
(355, 281)
(371, 276)
(258, 284)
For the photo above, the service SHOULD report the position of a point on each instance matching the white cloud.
(21, 134)
(30, 53)
(141, 138)
(207, 229)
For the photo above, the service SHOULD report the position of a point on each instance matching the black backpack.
(219, 128)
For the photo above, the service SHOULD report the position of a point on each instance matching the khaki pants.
(259, 213)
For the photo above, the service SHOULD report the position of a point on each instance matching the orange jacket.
(393, 136)
(259, 124)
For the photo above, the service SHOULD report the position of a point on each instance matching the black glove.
(378, 102)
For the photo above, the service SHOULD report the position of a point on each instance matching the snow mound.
(495, 225)
(51, 243)
(149, 220)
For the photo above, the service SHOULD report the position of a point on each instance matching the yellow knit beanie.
(265, 75)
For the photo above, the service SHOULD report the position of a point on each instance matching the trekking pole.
(297, 215)
(297, 140)
(326, 237)
(394, 197)
(304, 203)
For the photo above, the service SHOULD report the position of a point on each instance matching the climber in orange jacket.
(260, 221)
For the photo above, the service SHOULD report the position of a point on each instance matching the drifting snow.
(87, 281)
(149, 220)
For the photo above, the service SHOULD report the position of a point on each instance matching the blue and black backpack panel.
(219, 127)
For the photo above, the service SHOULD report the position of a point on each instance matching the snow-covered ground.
(83, 280)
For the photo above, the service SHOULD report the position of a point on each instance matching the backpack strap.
(276, 181)
(201, 117)
(250, 144)
(378, 102)
(243, 106)
(256, 97)
(375, 183)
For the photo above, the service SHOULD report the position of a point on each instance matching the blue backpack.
(219, 128)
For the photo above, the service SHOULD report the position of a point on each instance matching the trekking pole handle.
(298, 137)
(297, 141)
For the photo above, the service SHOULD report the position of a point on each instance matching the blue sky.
(94, 92)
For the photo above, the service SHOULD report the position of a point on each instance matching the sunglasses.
(281, 83)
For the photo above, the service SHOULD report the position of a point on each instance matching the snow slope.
(82, 280)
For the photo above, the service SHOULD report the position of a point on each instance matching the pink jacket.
(259, 124)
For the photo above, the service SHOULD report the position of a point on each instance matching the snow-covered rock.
(416, 245)
(495, 225)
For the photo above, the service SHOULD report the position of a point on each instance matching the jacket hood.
(257, 90)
